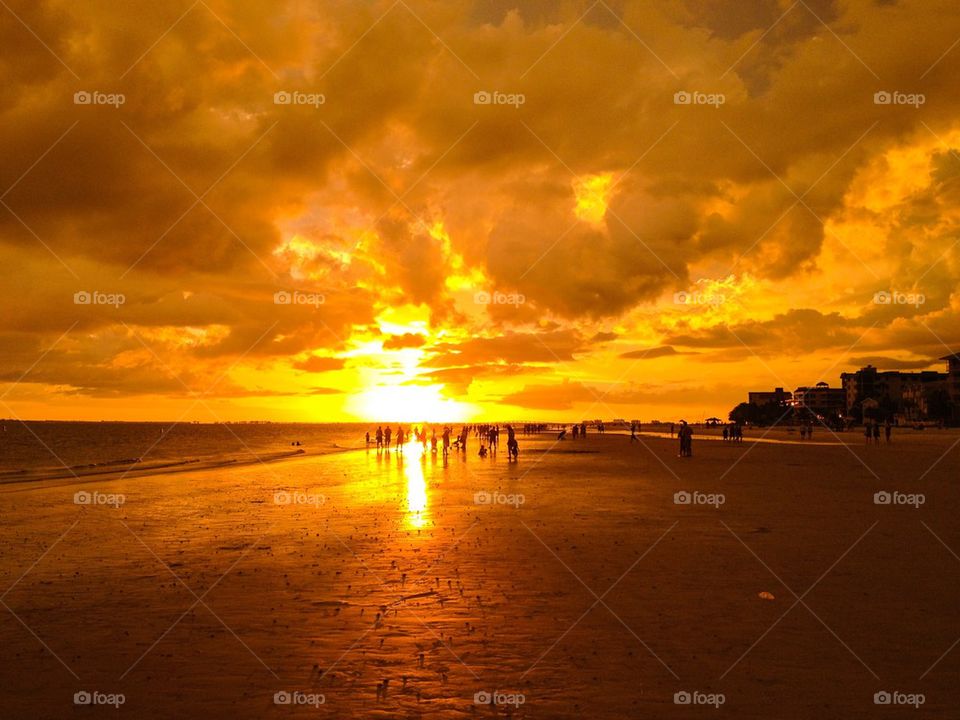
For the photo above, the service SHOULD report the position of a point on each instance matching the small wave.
(137, 467)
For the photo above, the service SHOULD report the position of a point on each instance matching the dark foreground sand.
(399, 596)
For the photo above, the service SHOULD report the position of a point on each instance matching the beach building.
(907, 395)
(821, 399)
(764, 397)
(953, 383)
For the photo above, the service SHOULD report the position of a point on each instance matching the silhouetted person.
(686, 439)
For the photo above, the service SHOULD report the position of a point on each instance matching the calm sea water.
(35, 450)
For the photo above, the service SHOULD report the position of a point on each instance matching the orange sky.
(444, 210)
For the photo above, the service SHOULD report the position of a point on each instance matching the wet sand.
(392, 589)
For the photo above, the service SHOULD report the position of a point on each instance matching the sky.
(453, 210)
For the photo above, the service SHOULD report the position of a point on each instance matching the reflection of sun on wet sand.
(413, 586)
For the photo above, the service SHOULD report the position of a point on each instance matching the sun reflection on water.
(413, 459)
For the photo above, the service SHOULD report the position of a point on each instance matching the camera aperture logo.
(96, 498)
(95, 697)
(683, 97)
(496, 697)
(314, 100)
(896, 697)
(282, 497)
(95, 297)
(95, 97)
(498, 498)
(914, 500)
(499, 298)
(895, 297)
(914, 100)
(285, 297)
(296, 697)
(482, 97)
(696, 297)
(695, 697)
(715, 500)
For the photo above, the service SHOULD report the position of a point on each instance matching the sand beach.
(592, 578)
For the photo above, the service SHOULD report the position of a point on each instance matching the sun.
(408, 403)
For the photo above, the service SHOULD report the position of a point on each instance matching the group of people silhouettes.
(489, 436)
(733, 433)
(871, 431)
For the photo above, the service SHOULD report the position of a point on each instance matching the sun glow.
(408, 403)
(593, 194)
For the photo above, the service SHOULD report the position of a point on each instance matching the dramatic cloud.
(482, 202)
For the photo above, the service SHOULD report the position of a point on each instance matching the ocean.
(39, 450)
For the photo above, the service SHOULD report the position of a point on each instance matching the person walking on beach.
(576, 431)
(686, 439)
(446, 440)
(513, 449)
(399, 438)
(386, 437)
(433, 442)
(887, 430)
(379, 437)
(633, 433)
